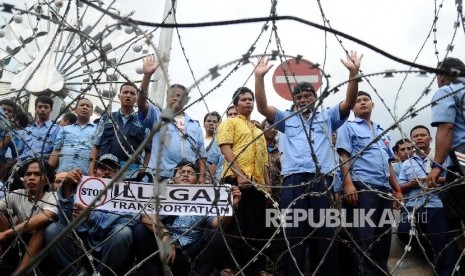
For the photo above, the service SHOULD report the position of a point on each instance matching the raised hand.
(352, 61)
(150, 65)
(262, 67)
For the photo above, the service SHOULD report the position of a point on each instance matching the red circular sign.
(90, 189)
(296, 71)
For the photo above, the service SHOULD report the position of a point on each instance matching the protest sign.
(134, 197)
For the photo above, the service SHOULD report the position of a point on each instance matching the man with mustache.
(308, 157)
(73, 144)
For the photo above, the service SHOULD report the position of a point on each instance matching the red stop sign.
(296, 72)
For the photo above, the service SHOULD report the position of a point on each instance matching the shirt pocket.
(137, 132)
(108, 132)
(362, 141)
(293, 128)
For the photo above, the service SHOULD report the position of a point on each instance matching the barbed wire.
(106, 65)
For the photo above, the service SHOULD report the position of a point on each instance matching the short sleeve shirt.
(75, 144)
(248, 145)
(417, 168)
(39, 139)
(448, 106)
(369, 155)
(25, 209)
(177, 146)
(295, 143)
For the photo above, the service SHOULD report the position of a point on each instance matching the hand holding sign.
(78, 208)
(236, 193)
(179, 199)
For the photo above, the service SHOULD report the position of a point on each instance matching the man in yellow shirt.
(244, 149)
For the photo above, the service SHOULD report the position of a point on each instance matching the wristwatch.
(436, 165)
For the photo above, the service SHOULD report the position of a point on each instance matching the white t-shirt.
(23, 208)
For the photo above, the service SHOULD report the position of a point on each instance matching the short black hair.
(420, 126)
(241, 91)
(395, 148)
(22, 119)
(212, 114)
(128, 83)
(44, 99)
(44, 166)
(70, 117)
(302, 87)
(450, 63)
(83, 98)
(9, 103)
(229, 108)
(363, 93)
(185, 162)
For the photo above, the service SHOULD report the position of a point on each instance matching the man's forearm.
(393, 180)
(444, 137)
(345, 167)
(32, 224)
(230, 158)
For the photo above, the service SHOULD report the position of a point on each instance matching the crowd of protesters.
(306, 159)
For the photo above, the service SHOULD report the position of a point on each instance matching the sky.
(400, 28)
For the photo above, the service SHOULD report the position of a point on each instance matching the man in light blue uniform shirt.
(447, 112)
(74, 142)
(368, 177)
(306, 157)
(429, 216)
(39, 137)
(184, 138)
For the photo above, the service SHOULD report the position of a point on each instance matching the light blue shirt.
(4, 130)
(176, 147)
(16, 146)
(294, 144)
(370, 165)
(416, 167)
(450, 109)
(397, 166)
(181, 224)
(75, 144)
(214, 156)
(39, 140)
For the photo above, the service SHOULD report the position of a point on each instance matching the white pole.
(158, 91)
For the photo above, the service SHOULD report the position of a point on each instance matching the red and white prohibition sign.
(296, 72)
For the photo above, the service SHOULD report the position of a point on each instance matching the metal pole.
(158, 91)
